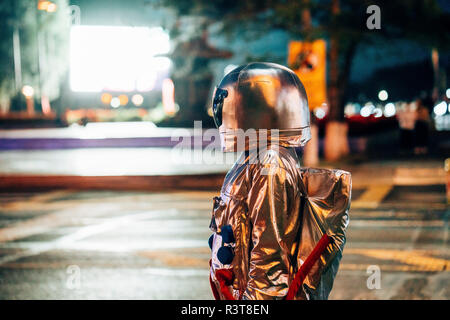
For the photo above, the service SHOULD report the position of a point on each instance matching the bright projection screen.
(112, 58)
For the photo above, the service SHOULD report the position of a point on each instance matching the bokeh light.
(440, 109)
(28, 91)
(367, 110)
(377, 112)
(319, 113)
(117, 58)
(115, 102)
(123, 99)
(51, 7)
(389, 109)
(168, 96)
(106, 98)
(383, 95)
(137, 100)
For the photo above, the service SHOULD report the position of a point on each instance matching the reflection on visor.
(219, 96)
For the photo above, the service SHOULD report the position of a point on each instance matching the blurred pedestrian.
(421, 128)
(406, 117)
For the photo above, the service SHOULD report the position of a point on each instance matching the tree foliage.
(52, 29)
(421, 21)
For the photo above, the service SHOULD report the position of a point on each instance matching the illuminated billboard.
(115, 58)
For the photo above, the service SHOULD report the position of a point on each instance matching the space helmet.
(265, 98)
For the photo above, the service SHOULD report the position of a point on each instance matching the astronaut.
(278, 229)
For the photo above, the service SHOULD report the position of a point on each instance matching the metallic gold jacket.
(278, 212)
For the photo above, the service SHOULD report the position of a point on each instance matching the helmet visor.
(219, 96)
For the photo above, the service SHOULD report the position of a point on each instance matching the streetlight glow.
(118, 58)
(383, 95)
(106, 98)
(43, 5)
(367, 110)
(319, 113)
(389, 109)
(377, 112)
(51, 7)
(440, 109)
(168, 96)
(28, 91)
(137, 100)
(115, 102)
(123, 99)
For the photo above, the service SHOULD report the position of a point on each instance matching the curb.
(210, 181)
(10, 183)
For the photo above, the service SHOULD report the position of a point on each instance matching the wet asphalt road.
(141, 245)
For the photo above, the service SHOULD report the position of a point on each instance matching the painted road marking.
(383, 267)
(175, 259)
(50, 221)
(372, 197)
(69, 241)
(72, 212)
(419, 260)
(419, 176)
(397, 224)
(36, 200)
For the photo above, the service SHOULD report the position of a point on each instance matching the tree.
(343, 23)
(43, 41)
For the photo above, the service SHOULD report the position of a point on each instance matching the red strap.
(307, 265)
(225, 278)
(214, 289)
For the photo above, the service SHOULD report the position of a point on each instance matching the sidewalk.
(141, 156)
(97, 135)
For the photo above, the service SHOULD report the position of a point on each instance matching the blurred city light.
(123, 99)
(51, 7)
(106, 98)
(137, 100)
(45, 105)
(377, 112)
(113, 58)
(367, 109)
(389, 109)
(168, 96)
(349, 110)
(383, 95)
(442, 123)
(43, 5)
(115, 102)
(440, 109)
(319, 113)
(447, 93)
(28, 91)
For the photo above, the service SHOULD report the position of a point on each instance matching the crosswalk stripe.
(372, 197)
(415, 258)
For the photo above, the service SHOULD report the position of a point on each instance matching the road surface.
(69, 244)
